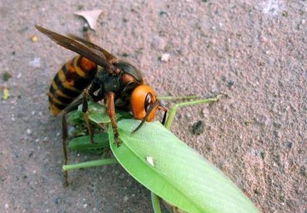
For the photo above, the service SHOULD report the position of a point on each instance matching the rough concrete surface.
(253, 51)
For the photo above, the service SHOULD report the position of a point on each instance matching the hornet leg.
(111, 111)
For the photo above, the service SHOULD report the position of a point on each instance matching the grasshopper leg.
(173, 110)
(167, 122)
(64, 143)
(85, 116)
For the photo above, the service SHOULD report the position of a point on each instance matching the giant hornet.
(99, 75)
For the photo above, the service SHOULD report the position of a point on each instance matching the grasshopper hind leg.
(86, 117)
(64, 143)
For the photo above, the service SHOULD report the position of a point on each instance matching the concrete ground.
(253, 51)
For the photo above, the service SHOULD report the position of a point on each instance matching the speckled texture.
(253, 51)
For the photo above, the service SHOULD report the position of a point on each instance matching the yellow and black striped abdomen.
(69, 83)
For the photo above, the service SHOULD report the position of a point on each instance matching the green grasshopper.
(161, 162)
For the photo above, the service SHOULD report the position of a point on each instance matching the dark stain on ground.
(198, 127)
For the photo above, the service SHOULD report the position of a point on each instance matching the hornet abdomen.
(69, 83)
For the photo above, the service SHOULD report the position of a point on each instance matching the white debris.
(150, 160)
(126, 198)
(36, 62)
(29, 131)
(272, 7)
(165, 57)
(90, 16)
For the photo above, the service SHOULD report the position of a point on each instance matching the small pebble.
(85, 205)
(230, 83)
(285, 14)
(303, 171)
(263, 39)
(277, 125)
(188, 115)
(34, 38)
(162, 13)
(29, 131)
(289, 145)
(165, 57)
(126, 198)
(30, 154)
(36, 62)
(272, 7)
(6, 205)
(57, 200)
(205, 112)
(277, 134)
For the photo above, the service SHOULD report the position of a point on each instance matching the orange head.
(144, 103)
